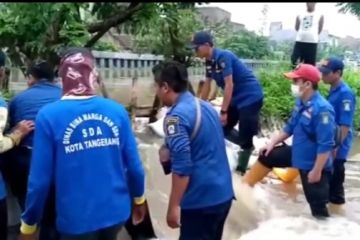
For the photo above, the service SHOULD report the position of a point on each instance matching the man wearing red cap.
(312, 126)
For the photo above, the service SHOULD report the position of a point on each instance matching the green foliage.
(352, 7)
(7, 95)
(278, 100)
(326, 51)
(247, 44)
(106, 46)
(168, 32)
(282, 50)
(28, 28)
(37, 31)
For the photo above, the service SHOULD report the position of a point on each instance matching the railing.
(118, 69)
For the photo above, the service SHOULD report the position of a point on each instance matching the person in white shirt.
(308, 26)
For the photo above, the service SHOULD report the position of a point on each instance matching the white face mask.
(295, 90)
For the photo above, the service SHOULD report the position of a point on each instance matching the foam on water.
(266, 211)
(299, 228)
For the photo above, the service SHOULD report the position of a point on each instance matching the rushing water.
(272, 209)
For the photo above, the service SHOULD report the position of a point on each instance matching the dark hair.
(315, 86)
(42, 70)
(173, 73)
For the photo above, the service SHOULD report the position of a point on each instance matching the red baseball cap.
(305, 71)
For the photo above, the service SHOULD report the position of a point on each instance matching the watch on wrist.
(223, 112)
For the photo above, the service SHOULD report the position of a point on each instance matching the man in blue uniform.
(84, 144)
(343, 99)
(7, 142)
(25, 105)
(201, 192)
(312, 126)
(243, 96)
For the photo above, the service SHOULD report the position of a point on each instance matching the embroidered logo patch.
(347, 106)
(172, 126)
(325, 118)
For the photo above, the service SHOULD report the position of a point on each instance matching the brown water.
(279, 206)
(282, 209)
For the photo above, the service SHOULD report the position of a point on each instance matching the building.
(215, 15)
(278, 34)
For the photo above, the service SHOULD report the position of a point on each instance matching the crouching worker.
(84, 145)
(312, 126)
(201, 192)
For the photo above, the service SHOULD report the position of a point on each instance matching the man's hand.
(138, 214)
(314, 176)
(173, 217)
(223, 118)
(334, 152)
(27, 236)
(24, 127)
(265, 150)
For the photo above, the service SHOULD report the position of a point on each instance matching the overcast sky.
(250, 14)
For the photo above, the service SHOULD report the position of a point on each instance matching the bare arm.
(179, 186)
(321, 24)
(206, 89)
(321, 160)
(282, 136)
(228, 90)
(297, 23)
(214, 94)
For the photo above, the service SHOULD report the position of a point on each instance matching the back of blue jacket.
(87, 147)
(204, 158)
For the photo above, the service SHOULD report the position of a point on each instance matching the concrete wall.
(118, 69)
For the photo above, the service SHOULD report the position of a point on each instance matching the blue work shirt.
(87, 147)
(313, 119)
(2, 184)
(343, 100)
(26, 105)
(204, 158)
(247, 88)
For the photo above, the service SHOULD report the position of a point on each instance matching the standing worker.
(312, 126)
(201, 192)
(308, 26)
(85, 146)
(343, 99)
(7, 142)
(26, 105)
(243, 95)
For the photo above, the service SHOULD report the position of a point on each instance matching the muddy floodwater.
(273, 209)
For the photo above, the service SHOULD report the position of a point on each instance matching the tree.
(247, 44)
(352, 7)
(169, 31)
(37, 31)
(327, 51)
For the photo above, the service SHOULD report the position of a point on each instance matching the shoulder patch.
(172, 126)
(222, 64)
(324, 117)
(347, 105)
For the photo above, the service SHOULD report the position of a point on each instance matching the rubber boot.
(257, 173)
(243, 160)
